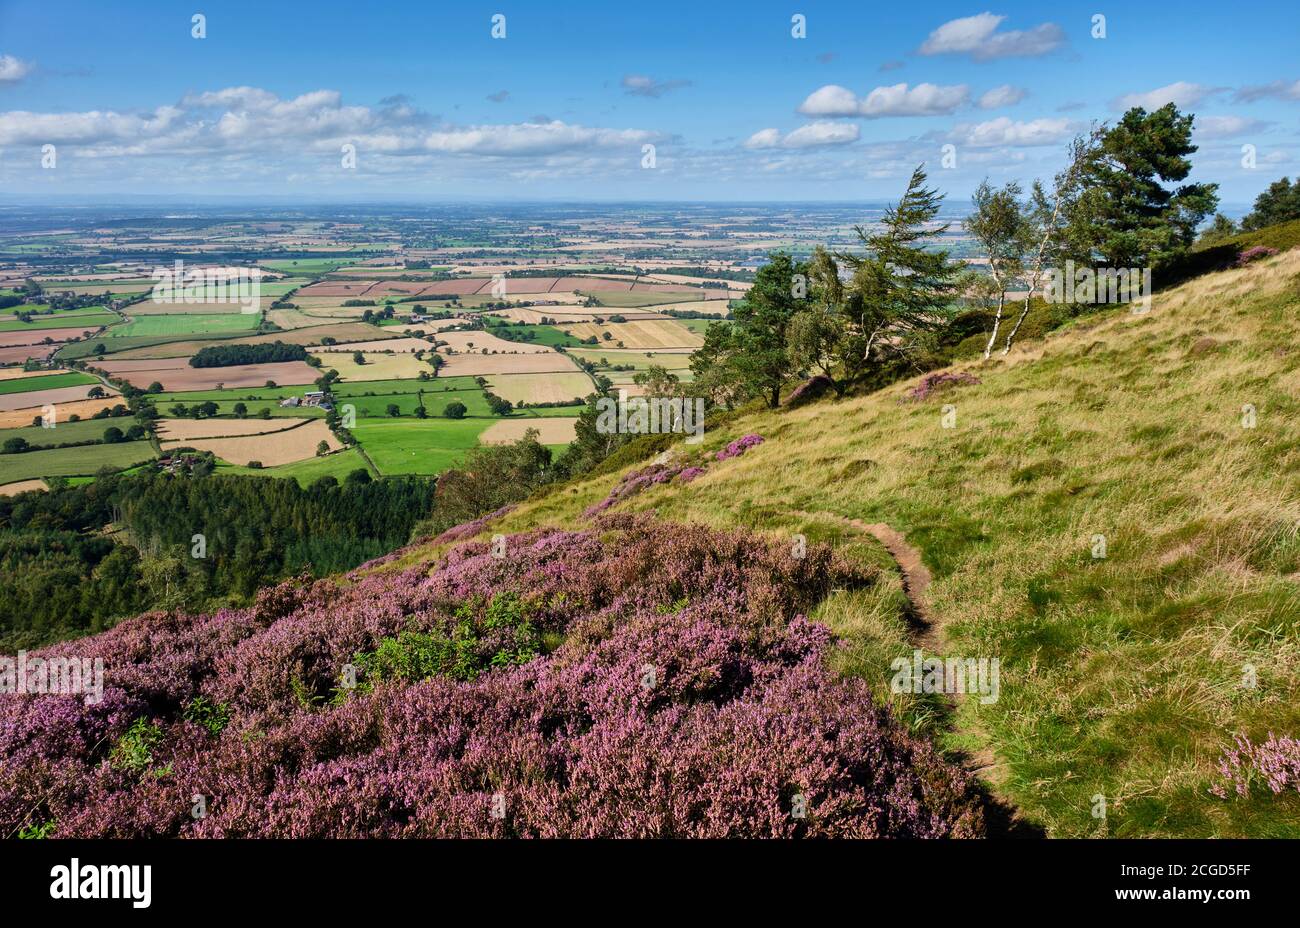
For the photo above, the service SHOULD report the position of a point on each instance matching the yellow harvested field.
(283, 447)
(377, 366)
(475, 342)
(18, 418)
(680, 279)
(22, 486)
(540, 388)
(396, 345)
(187, 429)
(709, 307)
(15, 373)
(649, 333)
(296, 319)
(554, 430)
(484, 365)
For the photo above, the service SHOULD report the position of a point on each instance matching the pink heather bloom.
(739, 447)
(939, 380)
(1275, 761)
(682, 694)
(1254, 254)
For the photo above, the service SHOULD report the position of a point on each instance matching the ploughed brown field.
(17, 354)
(32, 399)
(296, 443)
(177, 376)
(35, 336)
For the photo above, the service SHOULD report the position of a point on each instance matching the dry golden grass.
(540, 388)
(475, 342)
(21, 486)
(646, 334)
(18, 418)
(377, 366)
(552, 430)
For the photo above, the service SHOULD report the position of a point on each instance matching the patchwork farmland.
(394, 370)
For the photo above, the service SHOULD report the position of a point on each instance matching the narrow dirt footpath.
(927, 635)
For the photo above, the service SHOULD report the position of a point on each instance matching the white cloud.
(998, 97)
(978, 37)
(813, 135)
(1180, 93)
(530, 139)
(1225, 127)
(1008, 132)
(231, 119)
(1277, 90)
(764, 138)
(639, 85)
(13, 69)
(895, 100)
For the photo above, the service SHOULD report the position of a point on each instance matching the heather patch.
(1274, 763)
(683, 694)
(738, 447)
(938, 382)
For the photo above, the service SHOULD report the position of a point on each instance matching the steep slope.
(1113, 515)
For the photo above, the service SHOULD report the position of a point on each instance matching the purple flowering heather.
(1276, 761)
(681, 694)
(1254, 254)
(634, 482)
(739, 447)
(933, 383)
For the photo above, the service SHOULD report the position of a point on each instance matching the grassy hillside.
(1125, 675)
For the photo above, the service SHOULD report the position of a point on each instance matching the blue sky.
(735, 106)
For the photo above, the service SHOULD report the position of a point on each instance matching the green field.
(699, 326)
(65, 462)
(45, 382)
(542, 335)
(369, 407)
(310, 267)
(226, 408)
(410, 446)
(248, 394)
(111, 342)
(337, 465)
(194, 324)
(278, 288)
(60, 321)
(546, 412)
(65, 432)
